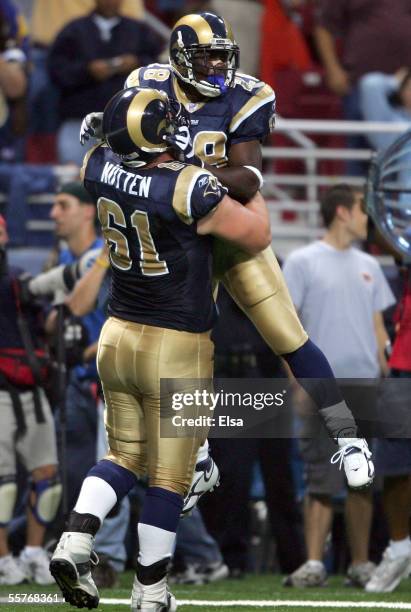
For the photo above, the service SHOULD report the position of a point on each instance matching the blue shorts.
(393, 456)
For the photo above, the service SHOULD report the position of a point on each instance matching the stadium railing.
(293, 197)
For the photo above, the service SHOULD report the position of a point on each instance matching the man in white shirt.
(340, 294)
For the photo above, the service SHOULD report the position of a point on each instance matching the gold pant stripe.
(131, 359)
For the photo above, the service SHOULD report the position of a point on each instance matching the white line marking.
(277, 603)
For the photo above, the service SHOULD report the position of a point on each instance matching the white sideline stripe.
(277, 603)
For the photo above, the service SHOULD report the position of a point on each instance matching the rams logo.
(212, 186)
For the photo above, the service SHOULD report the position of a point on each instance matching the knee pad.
(8, 495)
(48, 495)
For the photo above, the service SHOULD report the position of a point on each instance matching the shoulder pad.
(258, 96)
(197, 191)
(247, 82)
(182, 193)
(151, 74)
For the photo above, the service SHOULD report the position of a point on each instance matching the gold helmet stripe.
(229, 30)
(263, 96)
(135, 114)
(199, 25)
(182, 193)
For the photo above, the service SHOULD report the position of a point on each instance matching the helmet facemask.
(190, 62)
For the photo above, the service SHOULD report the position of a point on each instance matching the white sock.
(344, 441)
(400, 548)
(155, 544)
(96, 497)
(202, 453)
(31, 550)
(315, 564)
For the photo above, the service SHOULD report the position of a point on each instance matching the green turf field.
(263, 592)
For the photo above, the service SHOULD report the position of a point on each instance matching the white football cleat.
(389, 573)
(11, 571)
(309, 574)
(358, 575)
(70, 567)
(36, 565)
(355, 455)
(206, 477)
(153, 597)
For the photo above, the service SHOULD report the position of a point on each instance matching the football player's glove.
(91, 127)
(182, 146)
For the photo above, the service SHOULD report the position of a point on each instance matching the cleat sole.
(65, 575)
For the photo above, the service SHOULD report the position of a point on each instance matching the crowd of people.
(84, 344)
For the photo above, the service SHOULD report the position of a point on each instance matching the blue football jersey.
(245, 112)
(161, 267)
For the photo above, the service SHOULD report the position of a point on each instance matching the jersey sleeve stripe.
(87, 159)
(264, 96)
(182, 193)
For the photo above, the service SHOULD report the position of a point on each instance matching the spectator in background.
(170, 11)
(47, 18)
(374, 35)
(245, 19)
(26, 429)
(391, 187)
(241, 353)
(394, 454)
(13, 81)
(282, 45)
(74, 215)
(340, 294)
(385, 97)
(89, 62)
(50, 17)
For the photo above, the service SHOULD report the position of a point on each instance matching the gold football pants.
(257, 285)
(131, 360)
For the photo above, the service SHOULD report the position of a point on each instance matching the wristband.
(257, 173)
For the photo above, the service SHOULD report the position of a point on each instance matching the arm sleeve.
(255, 119)
(197, 192)
(295, 276)
(383, 296)
(374, 89)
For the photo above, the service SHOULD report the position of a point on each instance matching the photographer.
(26, 429)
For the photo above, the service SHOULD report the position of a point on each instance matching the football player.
(230, 113)
(158, 216)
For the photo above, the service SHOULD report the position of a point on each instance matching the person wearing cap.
(26, 429)
(74, 215)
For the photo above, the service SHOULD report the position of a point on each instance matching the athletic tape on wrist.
(258, 175)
